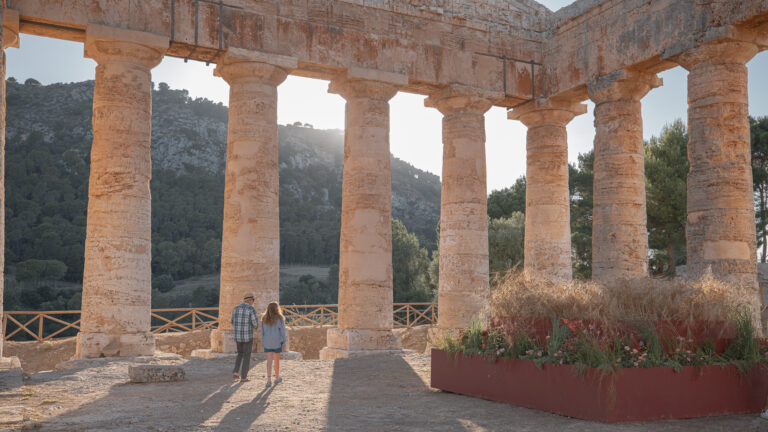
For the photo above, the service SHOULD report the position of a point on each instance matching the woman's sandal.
(236, 375)
(244, 380)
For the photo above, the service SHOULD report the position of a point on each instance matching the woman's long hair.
(272, 314)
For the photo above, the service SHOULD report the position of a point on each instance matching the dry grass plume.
(518, 294)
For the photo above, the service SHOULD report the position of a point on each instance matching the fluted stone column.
(547, 198)
(9, 37)
(720, 229)
(365, 250)
(117, 276)
(464, 291)
(250, 249)
(619, 232)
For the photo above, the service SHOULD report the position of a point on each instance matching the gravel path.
(380, 393)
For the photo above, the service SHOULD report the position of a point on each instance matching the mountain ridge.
(48, 140)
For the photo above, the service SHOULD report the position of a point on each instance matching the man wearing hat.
(244, 325)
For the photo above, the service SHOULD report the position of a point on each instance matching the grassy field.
(288, 274)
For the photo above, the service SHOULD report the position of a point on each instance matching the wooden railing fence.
(47, 325)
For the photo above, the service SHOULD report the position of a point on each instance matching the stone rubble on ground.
(155, 373)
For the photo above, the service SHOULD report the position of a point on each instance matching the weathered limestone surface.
(155, 373)
(592, 38)
(619, 233)
(9, 37)
(10, 367)
(434, 43)
(117, 275)
(256, 356)
(4, 35)
(464, 290)
(365, 251)
(488, 44)
(250, 249)
(11, 373)
(720, 229)
(547, 198)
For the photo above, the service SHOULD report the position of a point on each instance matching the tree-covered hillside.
(48, 140)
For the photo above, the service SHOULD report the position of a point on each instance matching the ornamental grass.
(519, 294)
(622, 324)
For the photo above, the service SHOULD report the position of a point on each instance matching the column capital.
(622, 85)
(237, 64)
(546, 111)
(718, 52)
(10, 28)
(461, 98)
(369, 83)
(103, 43)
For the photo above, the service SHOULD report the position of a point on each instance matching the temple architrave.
(464, 56)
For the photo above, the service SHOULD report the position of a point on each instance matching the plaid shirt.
(244, 322)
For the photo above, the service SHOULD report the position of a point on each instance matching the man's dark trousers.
(243, 357)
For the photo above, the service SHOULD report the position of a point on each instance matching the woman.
(273, 339)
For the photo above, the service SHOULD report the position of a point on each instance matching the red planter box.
(629, 395)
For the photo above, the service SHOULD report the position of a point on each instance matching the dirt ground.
(43, 356)
(379, 393)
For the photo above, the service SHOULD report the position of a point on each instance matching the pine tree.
(759, 140)
(580, 179)
(666, 171)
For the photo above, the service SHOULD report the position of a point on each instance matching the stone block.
(222, 341)
(11, 374)
(334, 353)
(97, 345)
(362, 339)
(155, 373)
(256, 356)
(96, 362)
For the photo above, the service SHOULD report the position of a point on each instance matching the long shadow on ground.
(387, 394)
(246, 413)
(146, 406)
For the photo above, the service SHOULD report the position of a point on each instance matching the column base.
(334, 353)
(359, 342)
(256, 356)
(10, 373)
(95, 345)
(223, 341)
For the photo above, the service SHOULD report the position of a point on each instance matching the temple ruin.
(465, 56)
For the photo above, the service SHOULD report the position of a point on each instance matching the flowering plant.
(608, 346)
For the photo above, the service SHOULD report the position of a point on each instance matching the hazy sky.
(415, 130)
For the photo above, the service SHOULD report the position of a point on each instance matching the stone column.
(619, 232)
(547, 198)
(365, 255)
(250, 248)
(117, 276)
(10, 370)
(464, 291)
(720, 229)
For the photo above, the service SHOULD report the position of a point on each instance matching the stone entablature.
(591, 38)
(434, 43)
